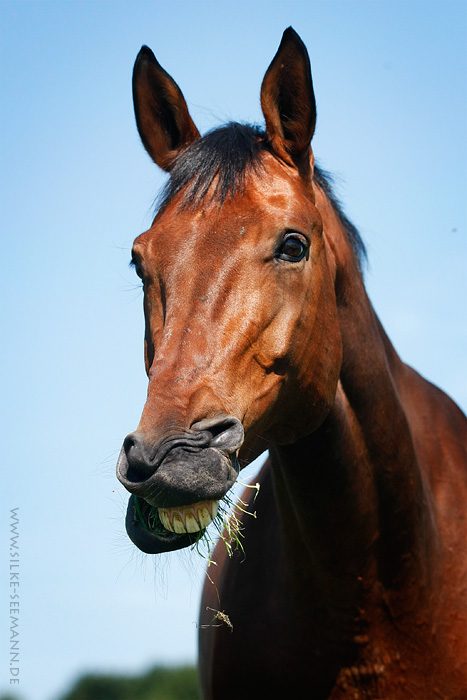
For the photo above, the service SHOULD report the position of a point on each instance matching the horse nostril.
(140, 466)
(226, 432)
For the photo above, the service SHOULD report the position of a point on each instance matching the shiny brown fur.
(353, 580)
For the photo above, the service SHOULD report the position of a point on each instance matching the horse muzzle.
(176, 485)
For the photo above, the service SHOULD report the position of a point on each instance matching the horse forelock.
(215, 167)
(218, 165)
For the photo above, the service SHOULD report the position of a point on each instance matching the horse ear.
(288, 100)
(162, 116)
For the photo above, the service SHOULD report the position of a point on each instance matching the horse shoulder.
(439, 433)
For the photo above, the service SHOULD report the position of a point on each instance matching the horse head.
(242, 340)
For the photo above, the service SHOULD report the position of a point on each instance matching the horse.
(260, 335)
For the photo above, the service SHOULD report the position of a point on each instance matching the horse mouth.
(186, 519)
(156, 530)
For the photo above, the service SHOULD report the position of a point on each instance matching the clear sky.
(77, 187)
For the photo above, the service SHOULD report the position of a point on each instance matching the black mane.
(227, 155)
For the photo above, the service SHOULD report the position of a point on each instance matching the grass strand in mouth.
(228, 525)
(148, 516)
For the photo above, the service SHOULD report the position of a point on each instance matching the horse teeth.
(191, 523)
(207, 513)
(178, 525)
(165, 519)
(204, 516)
(189, 519)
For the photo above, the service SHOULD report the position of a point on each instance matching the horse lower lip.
(188, 519)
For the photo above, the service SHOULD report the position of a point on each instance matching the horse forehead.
(268, 203)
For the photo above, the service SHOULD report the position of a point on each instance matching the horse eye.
(293, 248)
(137, 267)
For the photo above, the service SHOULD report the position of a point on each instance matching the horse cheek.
(320, 363)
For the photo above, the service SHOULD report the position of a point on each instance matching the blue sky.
(77, 187)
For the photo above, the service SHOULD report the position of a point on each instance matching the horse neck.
(352, 492)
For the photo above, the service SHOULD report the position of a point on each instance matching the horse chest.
(278, 638)
(275, 651)
(281, 639)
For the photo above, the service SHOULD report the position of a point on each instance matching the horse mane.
(227, 155)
